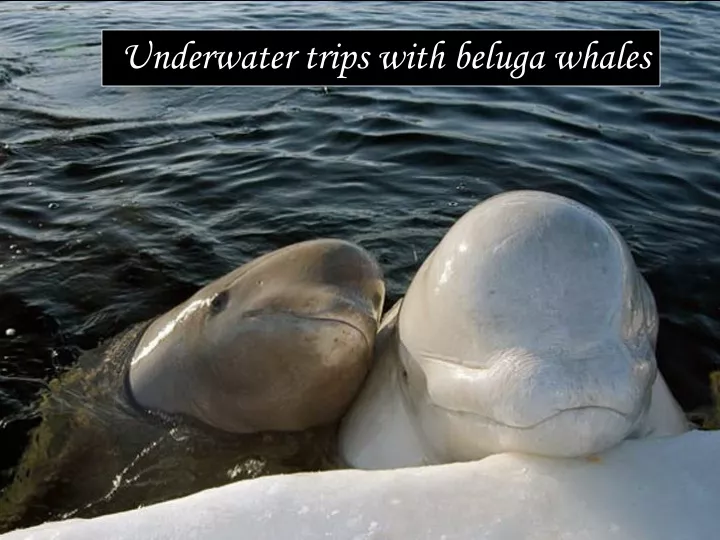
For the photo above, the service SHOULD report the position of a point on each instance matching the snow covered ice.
(665, 488)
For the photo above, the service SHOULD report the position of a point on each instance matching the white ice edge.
(665, 488)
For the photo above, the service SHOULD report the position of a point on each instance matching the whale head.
(529, 329)
(282, 343)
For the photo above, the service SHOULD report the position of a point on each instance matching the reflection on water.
(119, 203)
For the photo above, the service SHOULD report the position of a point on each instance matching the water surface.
(116, 204)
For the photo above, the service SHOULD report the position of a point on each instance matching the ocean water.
(116, 204)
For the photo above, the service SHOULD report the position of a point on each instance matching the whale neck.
(665, 417)
(378, 432)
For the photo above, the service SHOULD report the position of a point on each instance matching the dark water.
(116, 204)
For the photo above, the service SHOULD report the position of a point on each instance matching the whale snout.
(536, 389)
(553, 402)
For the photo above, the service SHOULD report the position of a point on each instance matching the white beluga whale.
(528, 329)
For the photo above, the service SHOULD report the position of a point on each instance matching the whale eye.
(219, 302)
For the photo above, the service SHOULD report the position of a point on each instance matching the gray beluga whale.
(246, 378)
(282, 343)
(528, 329)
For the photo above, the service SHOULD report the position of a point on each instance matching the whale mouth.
(571, 432)
(348, 324)
(356, 323)
(570, 410)
(337, 320)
